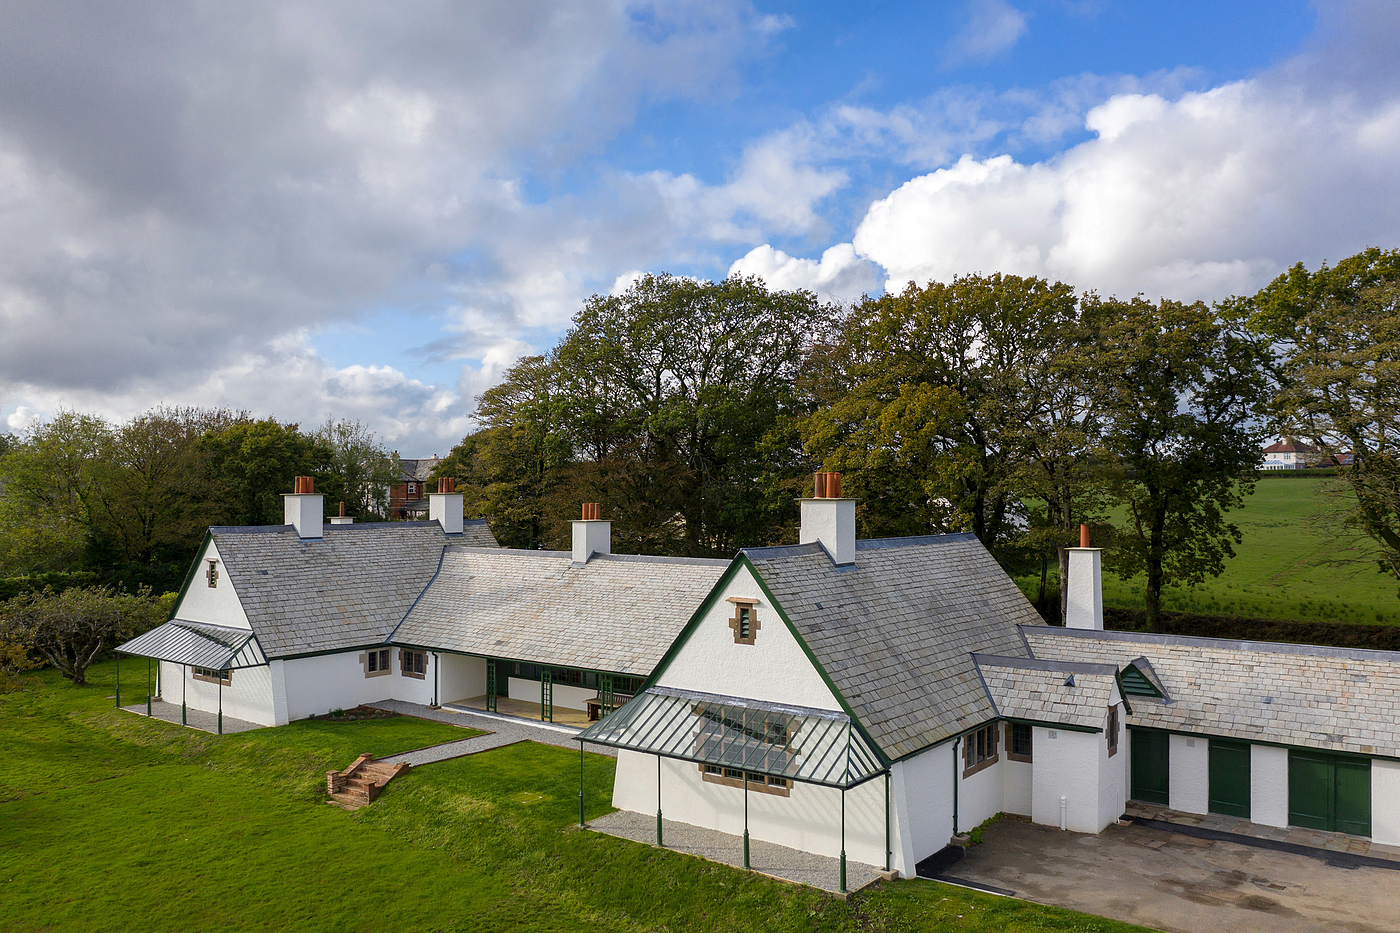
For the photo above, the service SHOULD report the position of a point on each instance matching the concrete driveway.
(1179, 883)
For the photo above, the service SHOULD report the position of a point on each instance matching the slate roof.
(1062, 693)
(615, 613)
(896, 631)
(346, 590)
(1343, 699)
(476, 533)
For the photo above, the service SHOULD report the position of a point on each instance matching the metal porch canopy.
(811, 746)
(198, 644)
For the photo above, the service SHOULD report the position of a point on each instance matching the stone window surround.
(383, 667)
(1011, 754)
(209, 676)
(969, 745)
(754, 785)
(405, 655)
(741, 603)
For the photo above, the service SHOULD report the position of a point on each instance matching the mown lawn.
(112, 822)
(1296, 561)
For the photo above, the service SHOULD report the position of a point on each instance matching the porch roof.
(813, 746)
(198, 644)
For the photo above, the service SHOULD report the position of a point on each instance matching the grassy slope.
(1296, 562)
(111, 822)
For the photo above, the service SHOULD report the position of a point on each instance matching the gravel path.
(505, 730)
(197, 719)
(818, 871)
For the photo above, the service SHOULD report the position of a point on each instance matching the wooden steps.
(358, 785)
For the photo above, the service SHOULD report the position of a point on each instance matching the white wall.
(773, 668)
(1268, 785)
(1016, 781)
(335, 681)
(217, 605)
(809, 819)
(1385, 801)
(980, 795)
(1068, 766)
(1189, 774)
(566, 696)
(463, 677)
(1113, 773)
(248, 695)
(922, 799)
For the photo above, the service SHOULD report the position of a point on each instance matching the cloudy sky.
(318, 209)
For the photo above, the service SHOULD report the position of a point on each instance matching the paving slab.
(1186, 884)
(197, 719)
(817, 871)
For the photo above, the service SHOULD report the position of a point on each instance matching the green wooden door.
(1330, 792)
(1229, 777)
(1150, 766)
(1352, 812)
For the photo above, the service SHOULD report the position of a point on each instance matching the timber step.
(358, 785)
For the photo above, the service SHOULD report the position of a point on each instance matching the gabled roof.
(1345, 699)
(476, 533)
(198, 644)
(1065, 693)
(615, 613)
(895, 631)
(348, 589)
(1290, 445)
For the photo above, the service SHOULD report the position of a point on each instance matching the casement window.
(1018, 741)
(413, 663)
(727, 740)
(980, 749)
(376, 662)
(211, 676)
(1112, 731)
(745, 622)
(212, 574)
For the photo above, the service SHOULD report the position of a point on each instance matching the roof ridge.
(1228, 644)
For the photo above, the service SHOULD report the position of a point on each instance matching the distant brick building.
(408, 498)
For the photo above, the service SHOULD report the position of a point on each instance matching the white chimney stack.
(1084, 593)
(830, 520)
(445, 506)
(342, 518)
(304, 508)
(592, 535)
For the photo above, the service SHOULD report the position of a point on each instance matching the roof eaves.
(1225, 644)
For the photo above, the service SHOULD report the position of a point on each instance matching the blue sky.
(321, 209)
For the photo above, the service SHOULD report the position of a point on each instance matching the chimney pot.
(447, 484)
(833, 485)
(342, 510)
(1083, 535)
(818, 485)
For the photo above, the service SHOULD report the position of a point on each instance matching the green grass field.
(1296, 561)
(109, 821)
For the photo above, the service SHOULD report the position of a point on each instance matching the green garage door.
(1229, 777)
(1150, 765)
(1331, 792)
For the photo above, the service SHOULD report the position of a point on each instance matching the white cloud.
(840, 275)
(1209, 194)
(992, 27)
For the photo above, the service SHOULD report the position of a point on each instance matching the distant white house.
(869, 698)
(1290, 454)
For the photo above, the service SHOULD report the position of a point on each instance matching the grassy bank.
(1296, 561)
(114, 822)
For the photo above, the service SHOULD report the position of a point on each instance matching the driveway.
(1179, 883)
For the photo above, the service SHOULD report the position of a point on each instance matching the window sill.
(378, 673)
(754, 786)
(414, 676)
(1012, 756)
(981, 766)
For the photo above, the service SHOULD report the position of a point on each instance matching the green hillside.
(1297, 561)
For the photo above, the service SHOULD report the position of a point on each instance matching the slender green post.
(184, 710)
(658, 801)
(887, 821)
(437, 702)
(119, 681)
(746, 820)
(148, 688)
(843, 840)
(221, 707)
(580, 783)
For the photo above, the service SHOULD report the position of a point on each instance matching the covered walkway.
(766, 858)
(195, 719)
